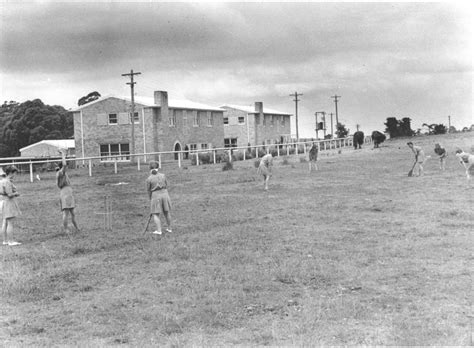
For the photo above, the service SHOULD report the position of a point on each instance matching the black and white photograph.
(255, 173)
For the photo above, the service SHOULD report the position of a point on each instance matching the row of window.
(267, 120)
(199, 118)
(121, 152)
(123, 118)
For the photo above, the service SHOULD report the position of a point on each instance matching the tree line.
(23, 124)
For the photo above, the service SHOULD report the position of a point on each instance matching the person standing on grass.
(265, 169)
(420, 158)
(65, 194)
(10, 209)
(442, 154)
(2, 177)
(160, 203)
(313, 157)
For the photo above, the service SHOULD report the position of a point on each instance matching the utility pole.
(132, 84)
(296, 100)
(335, 102)
(449, 123)
(316, 115)
(332, 128)
(324, 124)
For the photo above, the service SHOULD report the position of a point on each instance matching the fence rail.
(215, 155)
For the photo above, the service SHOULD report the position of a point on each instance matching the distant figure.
(420, 158)
(265, 169)
(10, 209)
(442, 154)
(358, 140)
(467, 161)
(378, 138)
(66, 194)
(313, 157)
(160, 202)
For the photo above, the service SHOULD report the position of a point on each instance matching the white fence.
(215, 155)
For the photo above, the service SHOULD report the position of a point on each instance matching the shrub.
(292, 151)
(227, 166)
(239, 156)
(274, 152)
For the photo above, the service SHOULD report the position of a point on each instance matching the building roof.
(60, 144)
(150, 102)
(250, 109)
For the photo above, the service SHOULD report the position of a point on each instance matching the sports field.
(357, 253)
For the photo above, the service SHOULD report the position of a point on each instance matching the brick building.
(245, 125)
(103, 127)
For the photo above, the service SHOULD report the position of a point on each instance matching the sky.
(383, 59)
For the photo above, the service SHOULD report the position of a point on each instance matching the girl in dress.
(10, 209)
(160, 202)
(265, 169)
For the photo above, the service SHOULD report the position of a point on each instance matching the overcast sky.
(383, 59)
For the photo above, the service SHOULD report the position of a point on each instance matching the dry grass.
(354, 254)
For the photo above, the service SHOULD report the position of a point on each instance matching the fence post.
(230, 155)
(304, 148)
(115, 165)
(197, 158)
(256, 151)
(179, 159)
(214, 155)
(278, 151)
(31, 171)
(245, 151)
(90, 167)
(159, 160)
(138, 163)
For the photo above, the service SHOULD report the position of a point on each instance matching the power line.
(296, 100)
(132, 84)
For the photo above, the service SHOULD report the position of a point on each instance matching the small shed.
(49, 148)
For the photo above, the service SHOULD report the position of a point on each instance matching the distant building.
(256, 125)
(48, 148)
(103, 127)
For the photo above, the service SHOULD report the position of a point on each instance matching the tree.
(397, 128)
(88, 98)
(341, 130)
(33, 121)
(440, 129)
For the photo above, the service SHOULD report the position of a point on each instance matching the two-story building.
(244, 125)
(104, 127)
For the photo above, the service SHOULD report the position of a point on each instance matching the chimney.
(161, 99)
(259, 108)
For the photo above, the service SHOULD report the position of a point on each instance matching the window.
(192, 147)
(196, 119)
(209, 119)
(136, 120)
(122, 151)
(113, 119)
(282, 122)
(172, 118)
(241, 119)
(185, 119)
(204, 146)
(202, 115)
(230, 142)
(272, 120)
(226, 120)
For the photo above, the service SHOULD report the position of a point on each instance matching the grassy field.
(357, 253)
